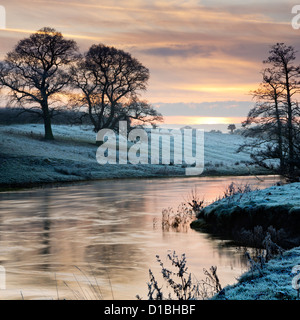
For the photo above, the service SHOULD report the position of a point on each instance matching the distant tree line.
(45, 73)
(274, 121)
(16, 115)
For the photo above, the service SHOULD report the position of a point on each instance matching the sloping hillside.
(26, 159)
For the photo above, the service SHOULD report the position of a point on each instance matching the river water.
(57, 242)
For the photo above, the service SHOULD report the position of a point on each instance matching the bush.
(180, 283)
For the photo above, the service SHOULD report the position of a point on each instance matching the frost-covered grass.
(274, 282)
(27, 159)
(278, 206)
(286, 196)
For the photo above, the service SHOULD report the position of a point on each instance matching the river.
(56, 242)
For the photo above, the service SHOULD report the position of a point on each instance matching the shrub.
(179, 220)
(234, 189)
(181, 283)
(186, 212)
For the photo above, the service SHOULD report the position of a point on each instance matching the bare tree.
(107, 81)
(231, 127)
(269, 119)
(35, 72)
(281, 58)
(273, 119)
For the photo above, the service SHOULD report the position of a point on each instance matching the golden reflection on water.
(56, 242)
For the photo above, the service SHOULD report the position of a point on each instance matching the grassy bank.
(272, 282)
(277, 206)
(267, 219)
(27, 160)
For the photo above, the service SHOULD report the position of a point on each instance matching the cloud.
(206, 109)
(196, 51)
(180, 50)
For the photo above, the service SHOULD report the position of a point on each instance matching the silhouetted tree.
(35, 74)
(231, 127)
(276, 113)
(269, 119)
(108, 81)
(282, 58)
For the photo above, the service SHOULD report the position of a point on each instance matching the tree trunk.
(47, 121)
(279, 132)
(291, 164)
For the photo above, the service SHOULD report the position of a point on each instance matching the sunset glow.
(198, 52)
(202, 120)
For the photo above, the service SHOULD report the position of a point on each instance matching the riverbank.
(26, 160)
(248, 218)
(234, 216)
(273, 282)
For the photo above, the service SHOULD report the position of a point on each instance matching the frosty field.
(275, 282)
(26, 159)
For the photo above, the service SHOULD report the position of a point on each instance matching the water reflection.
(105, 227)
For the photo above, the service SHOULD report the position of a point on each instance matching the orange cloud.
(73, 36)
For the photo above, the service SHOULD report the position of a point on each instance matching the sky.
(204, 56)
